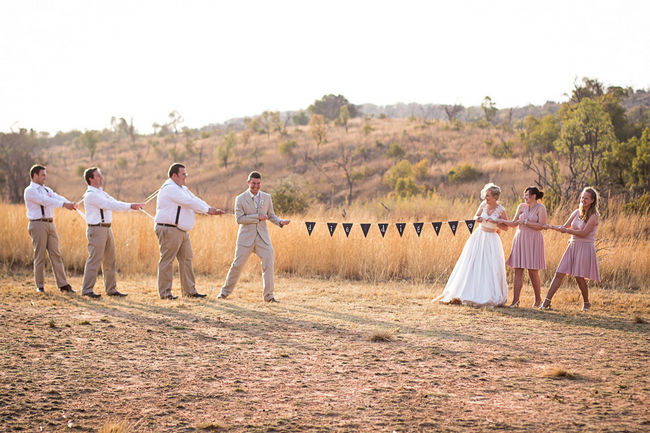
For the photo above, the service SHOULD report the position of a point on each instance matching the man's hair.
(36, 169)
(254, 174)
(175, 168)
(89, 173)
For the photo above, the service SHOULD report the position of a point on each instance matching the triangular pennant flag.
(382, 228)
(470, 225)
(418, 228)
(310, 227)
(454, 226)
(436, 227)
(347, 227)
(365, 228)
(331, 227)
(400, 228)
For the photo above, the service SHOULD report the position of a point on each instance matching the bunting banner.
(383, 227)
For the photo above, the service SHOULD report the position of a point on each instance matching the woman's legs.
(582, 285)
(518, 283)
(555, 284)
(537, 286)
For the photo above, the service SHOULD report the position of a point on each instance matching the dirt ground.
(308, 363)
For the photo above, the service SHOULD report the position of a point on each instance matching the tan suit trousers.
(101, 252)
(44, 238)
(265, 252)
(174, 243)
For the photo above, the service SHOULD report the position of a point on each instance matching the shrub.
(463, 173)
(395, 151)
(421, 169)
(406, 187)
(286, 148)
(402, 169)
(288, 198)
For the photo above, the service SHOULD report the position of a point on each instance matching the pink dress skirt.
(579, 259)
(528, 244)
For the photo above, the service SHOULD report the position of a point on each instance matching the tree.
(175, 119)
(329, 106)
(226, 149)
(489, 109)
(286, 149)
(344, 116)
(89, 140)
(452, 111)
(301, 118)
(17, 155)
(348, 158)
(318, 130)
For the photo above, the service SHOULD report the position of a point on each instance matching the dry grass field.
(355, 343)
(332, 356)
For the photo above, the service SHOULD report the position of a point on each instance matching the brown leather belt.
(100, 225)
(45, 220)
(167, 225)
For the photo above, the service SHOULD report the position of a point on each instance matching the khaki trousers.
(101, 252)
(45, 238)
(265, 252)
(174, 243)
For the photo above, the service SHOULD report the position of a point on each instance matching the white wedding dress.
(479, 277)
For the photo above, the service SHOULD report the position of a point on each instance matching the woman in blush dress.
(579, 259)
(528, 244)
(479, 277)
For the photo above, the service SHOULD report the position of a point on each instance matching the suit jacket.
(247, 216)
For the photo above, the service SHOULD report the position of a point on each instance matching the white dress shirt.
(173, 196)
(41, 201)
(256, 199)
(96, 199)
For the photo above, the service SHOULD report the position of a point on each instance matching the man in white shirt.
(175, 209)
(40, 202)
(252, 208)
(101, 244)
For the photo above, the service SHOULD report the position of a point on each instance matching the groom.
(252, 208)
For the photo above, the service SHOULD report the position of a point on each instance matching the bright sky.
(72, 64)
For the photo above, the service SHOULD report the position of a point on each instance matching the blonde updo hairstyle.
(495, 190)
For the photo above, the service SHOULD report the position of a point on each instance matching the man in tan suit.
(252, 208)
(101, 244)
(40, 202)
(175, 210)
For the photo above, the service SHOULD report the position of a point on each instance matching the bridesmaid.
(579, 259)
(528, 244)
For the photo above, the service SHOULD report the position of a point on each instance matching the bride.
(479, 277)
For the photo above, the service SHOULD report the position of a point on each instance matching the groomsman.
(175, 210)
(101, 244)
(252, 208)
(40, 202)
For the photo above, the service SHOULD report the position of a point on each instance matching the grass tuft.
(52, 323)
(557, 372)
(639, 319)
(380, 336)
(211, 426)
(115, 427)
(84, 322)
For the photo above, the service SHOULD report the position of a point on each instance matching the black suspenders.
(101, 212)
(178, 213)
(42, 211)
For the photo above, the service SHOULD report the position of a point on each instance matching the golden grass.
(557, 372)
(382, 336)
(115, 427)
(623, 244)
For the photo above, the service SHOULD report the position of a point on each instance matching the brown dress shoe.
(92, 295)
(170, 297)
(67, 288)
(116, 293)
(198, 295)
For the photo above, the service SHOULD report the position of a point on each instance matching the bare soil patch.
(314, 362)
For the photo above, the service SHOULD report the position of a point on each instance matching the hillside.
(133, 171)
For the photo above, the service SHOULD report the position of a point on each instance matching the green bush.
(402, 169)
(463, 173)
(288, 198)
(395, 151)
(406, 187)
